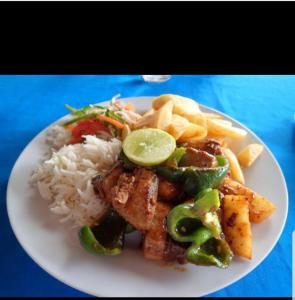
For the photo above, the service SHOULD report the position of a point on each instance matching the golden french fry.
(212, 116)
(177, 126)
(182, 105)
(249, 154)
(236, 225)
(162, 117)
(223, 122)
(235, 169)
(260, 209)
(218, 129)
(198, 119)
(193, 133)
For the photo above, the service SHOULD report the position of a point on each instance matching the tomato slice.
(87, 127)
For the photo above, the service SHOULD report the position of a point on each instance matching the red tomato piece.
(87, 127)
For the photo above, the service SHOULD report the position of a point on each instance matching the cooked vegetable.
(175, 157)
(260, 208)
(193, 131)
(107, 238)
(178, 126)
(181, 105)
(198, 223)
(235, 169)
(162, 118)
(148, 147)
(249, 154)
(216, 128)
(195, 179)
(236, 225)
(232, 187)
(197, 118)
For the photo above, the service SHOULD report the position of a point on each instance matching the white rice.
(65, 179)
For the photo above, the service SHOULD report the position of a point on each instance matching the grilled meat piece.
(135, 197)
(103, 185)
(174, 251)
(154, 244)
(168, 191)
(197, 158)
(212, 146)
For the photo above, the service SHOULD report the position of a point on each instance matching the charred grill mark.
(231, 221)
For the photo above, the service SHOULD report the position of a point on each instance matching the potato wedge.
(182, 105)
(178, 126)
(235, 169)
(260, 209)
(249, 154)
(236, 225)
(216, 128)
(232, 187)
(162, 117)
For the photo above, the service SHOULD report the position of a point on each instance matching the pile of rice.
(65, 179)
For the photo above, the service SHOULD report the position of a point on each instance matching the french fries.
(235, 169)
(236, 225)
(178, 126)
(249, 154)
(181, 105)
(216, 128)
(162, 117)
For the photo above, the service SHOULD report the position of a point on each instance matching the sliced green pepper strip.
(198, 223)
(214, 252)
(107, 238)
(175, 157)
(197, 211)
(196, 179)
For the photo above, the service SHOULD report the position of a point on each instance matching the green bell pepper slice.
(214, 252)
(196, 179)
(198, 223)
(107, 238)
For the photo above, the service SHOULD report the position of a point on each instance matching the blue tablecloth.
(266, 104)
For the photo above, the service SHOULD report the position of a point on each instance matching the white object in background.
(156, 78)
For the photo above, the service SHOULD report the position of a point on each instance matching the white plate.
(55, 250)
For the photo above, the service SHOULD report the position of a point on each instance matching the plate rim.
(146, 98)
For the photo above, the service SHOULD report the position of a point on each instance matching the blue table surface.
(266, 104)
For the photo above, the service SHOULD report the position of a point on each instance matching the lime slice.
(149, 146)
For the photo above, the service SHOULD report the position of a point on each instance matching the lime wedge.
(149, 146)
